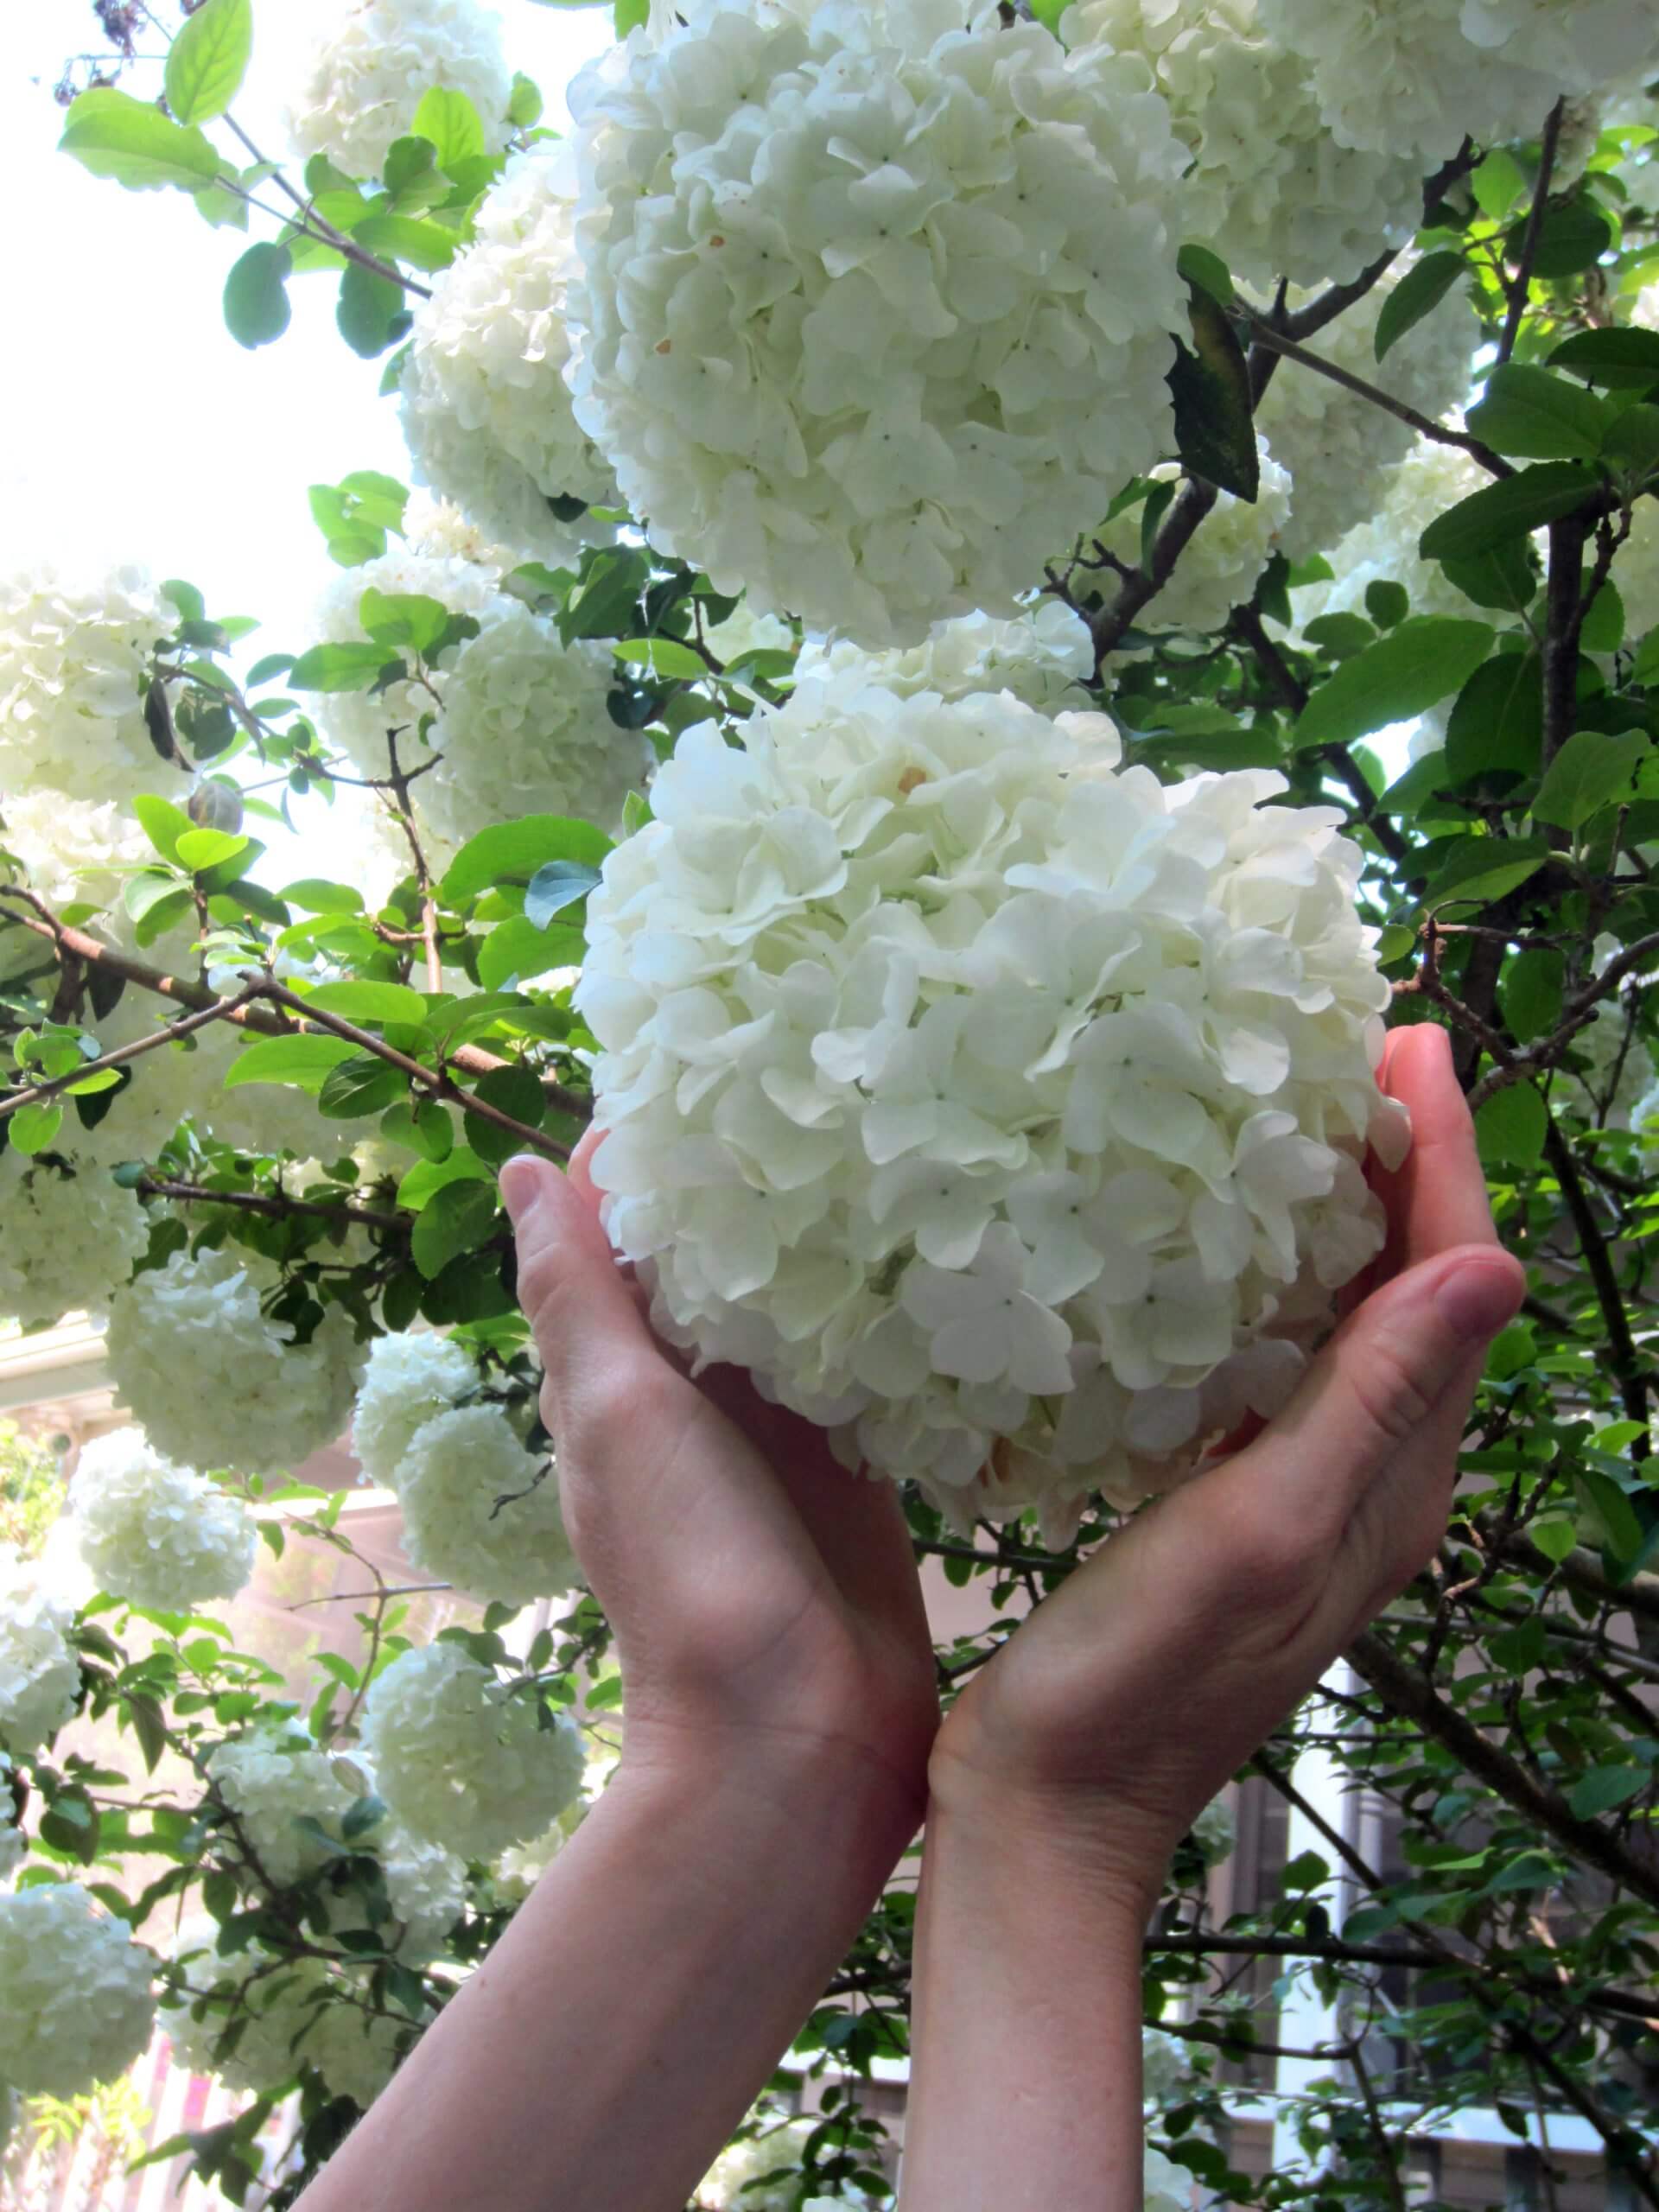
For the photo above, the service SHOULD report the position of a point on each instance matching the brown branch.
(1142, 586)
(1263, 332)
(1404, 1691)
(220, 1010)
(1623, 1359)
(275, 1205)
(1563, 625)
(1521, 284)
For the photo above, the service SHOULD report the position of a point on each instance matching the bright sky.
(135, 428)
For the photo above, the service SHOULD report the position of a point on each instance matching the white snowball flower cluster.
(1270, 188)
(1406, 78)
(1044, 655)
(425, 1889)
(481, 1512)
(75, 849)
(746, 631)
(14, 1841)
(214, 1379)
(438, 529)
(524, 729)
(39, 1674)
(1578, 46)
(517, 1871)
(1165, 2186)
(1636, 570)
(73, 671)
(1000, 1110)
(156, 1533)
(78, 2005)
(486, 410)
(1221, 562)
(67, 1240)
(357, 722)
(412, 1378)
(1339, 447)
(363, 80)
(1618, 1072)
(877, 308)
(286, 2013)
(272, 1779)
(1431, 478)
(459, 1760)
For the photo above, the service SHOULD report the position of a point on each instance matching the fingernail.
(1476, 1301)
(521, 1186)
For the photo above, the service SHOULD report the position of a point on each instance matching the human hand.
(1135, 1692)
(763, 1600)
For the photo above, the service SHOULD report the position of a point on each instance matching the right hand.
(764, 1601)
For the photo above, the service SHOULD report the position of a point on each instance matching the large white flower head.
(487, 409)
(254, 2019)
(363, 80)
(1581, 46)
(1431, 478)
(74, 667)
(461, 1761)
(1222, 562)
(877, 308)
(1636, 569)
(67, 1240)
(437, 527)
(425, 1891)
(39, 1674)
(357, 721)
(524, 729)
(1405, 79)
(1043, 654)
(156, 1533)
(271, 1780)
(1338, 447)
(1269, 187)
(995, 1107)
(214, 1379)
(410, 1378)
(480, 1512)
(75, 849)
(78, 2005)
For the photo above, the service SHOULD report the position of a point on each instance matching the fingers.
(1438, 1198)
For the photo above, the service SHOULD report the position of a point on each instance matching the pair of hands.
(766, 1604)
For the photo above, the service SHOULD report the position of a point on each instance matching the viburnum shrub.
(985, 597)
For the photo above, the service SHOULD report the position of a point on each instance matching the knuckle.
(1391, 1402)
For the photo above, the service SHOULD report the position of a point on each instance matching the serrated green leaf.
(208, 61)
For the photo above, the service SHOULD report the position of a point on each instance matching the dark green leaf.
(513, 1091)
(1400, 675)
(1529, 992)
(1574, 235)
(363, 1085)
(1210, 384)
(370, 314)
(256, 311)
(1479, 869)
(1626, 360)
(1498, 723)
(1534, 415)
(1514, 508)
(1509, 1127)
(1419, 292)
(208, 61)
(1590, 771)
(459, 1218)
(1203, 266)
(1603, 1788)
(1505, 576)
(1386, 603)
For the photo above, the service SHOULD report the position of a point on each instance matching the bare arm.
(1076, 1760)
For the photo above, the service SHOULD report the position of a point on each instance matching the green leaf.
(1554, 1535)
(1419, 292)
(113, 135)
(1529, 992)
(1497, 725)
(1498, 184)
(1623, 360)
(625, 14)
(1509, 1127)
(199, 850)
(511, 852)
(257, 310)
(1590, 771)
(555, 886)
(162, 822)
(524, 107)
(1603, 631)
(351, 667)
(1386, 603)
(303, 1062)
(1573, 236)
(517, 948)
(369, 1001)
(1400, 675)
(1602, 1788)
(458, 1219)
(1480, 869)
(1203, 266)
(396, 237)
(1631, 444)
(453, 124)
(514, 1091)
(208, 61)
(1604, 1504)
(370, 314)
(664, 657)
(1533, 416)
(399, 619)
(1514, 508)
(363, 1085)
(32, 1128)
(1210, 384)
(1505, 576)
(317, 897)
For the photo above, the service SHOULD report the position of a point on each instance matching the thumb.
(598, 1351)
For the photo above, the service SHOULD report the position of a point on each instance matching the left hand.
(1133, 1694)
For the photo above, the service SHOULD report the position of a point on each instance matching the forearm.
(602, 2054)
(1025, 2080)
